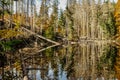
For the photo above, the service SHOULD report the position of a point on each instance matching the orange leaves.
(117, 11)
(117, 67)
(117, 17)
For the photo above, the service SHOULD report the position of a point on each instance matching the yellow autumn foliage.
(17, 19)
(8, 33)
(17, 66)
(117, 67)
(12, 32)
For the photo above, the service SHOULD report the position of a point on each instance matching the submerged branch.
(38, 51)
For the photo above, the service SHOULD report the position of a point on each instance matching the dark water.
(83, 61)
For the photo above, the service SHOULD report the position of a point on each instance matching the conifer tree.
(69, 18)
(43, 18)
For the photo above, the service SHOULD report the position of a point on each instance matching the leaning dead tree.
(31, 32)
(24, 30)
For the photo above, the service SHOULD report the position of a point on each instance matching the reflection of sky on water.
(62, 75)
(101, 78)
(50, 72)
(80, 62)
(38, 75)
(30, 73)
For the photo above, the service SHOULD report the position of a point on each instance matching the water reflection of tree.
(70, 62)
(107, 61)
(87, 61)
(117, 64)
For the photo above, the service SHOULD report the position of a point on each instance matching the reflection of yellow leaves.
(117, 68)
(117, 65)
(17, 65)
(7, 68)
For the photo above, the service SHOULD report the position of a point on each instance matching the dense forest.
(24, 29)
(80, 20)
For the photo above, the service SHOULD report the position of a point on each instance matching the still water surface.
(83, 61)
